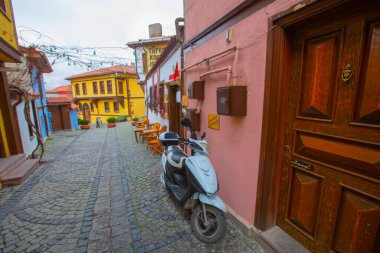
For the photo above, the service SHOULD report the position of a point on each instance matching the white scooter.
(193, 183)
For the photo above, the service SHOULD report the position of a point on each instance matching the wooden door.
(330, 183)
(56, 118)
(86, 112)
(174, 109)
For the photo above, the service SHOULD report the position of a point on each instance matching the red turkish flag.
(176, 73)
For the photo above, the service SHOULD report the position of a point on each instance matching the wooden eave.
(9, 52)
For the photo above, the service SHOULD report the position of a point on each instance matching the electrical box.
(196, 90)
(232, 100)
(195, 119)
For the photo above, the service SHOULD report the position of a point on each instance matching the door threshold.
(279, 241)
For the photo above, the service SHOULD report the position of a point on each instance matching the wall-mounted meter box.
(196, 90)
(195, 119)
(232, 100)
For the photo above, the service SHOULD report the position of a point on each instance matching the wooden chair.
(155, 127)
(155, 142)
(140, 127)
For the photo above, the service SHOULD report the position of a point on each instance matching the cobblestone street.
(100, 192)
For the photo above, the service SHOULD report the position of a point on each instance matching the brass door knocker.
(347, 73)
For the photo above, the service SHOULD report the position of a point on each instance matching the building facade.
(290, 105)
(9, 52)
(14, 166)
(147, 51)
(40, 65)
(163, 86)
(64, 113)
(108, 92)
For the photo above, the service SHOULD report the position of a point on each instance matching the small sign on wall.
(214, 121)
(185, 101)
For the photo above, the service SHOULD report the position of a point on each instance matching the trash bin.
(99, 122)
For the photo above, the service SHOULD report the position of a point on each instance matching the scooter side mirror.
(203, 135)
(186, 122)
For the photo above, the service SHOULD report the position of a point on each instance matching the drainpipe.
(182, 80)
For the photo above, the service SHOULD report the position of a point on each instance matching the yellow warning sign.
(185, 101)
(214, 121)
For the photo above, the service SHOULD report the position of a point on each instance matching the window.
(120, 84)
(77, 90)
(95, 87)
(116, 106)
(155, 97)
(109, 87)
(2, 6)
(107, 106)
(31, 132)
(151, 97)
(101, 83)
(161, 97)
(84, 88)
(92, 107)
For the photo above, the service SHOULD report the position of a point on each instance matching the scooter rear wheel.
(215, 230)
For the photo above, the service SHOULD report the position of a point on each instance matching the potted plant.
(134, 120)
(111, 122)
(84, 124)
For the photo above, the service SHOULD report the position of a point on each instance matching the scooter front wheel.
(212, 230)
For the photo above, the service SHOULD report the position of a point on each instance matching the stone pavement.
(100, 192)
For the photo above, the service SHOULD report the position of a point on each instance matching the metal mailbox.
(232, 100)
(196, 90)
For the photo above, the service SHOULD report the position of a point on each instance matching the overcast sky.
(92, 23)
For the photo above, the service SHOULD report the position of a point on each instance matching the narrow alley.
(99, 191)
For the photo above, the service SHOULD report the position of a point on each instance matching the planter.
(83, 127)
(133, 123)
(111, 125)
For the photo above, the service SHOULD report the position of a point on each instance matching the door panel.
(351, 155)
(304, 203)
(368, 108)
(330, 184)
(321, 56)
(358, 223)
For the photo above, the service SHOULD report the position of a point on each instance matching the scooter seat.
(176, 157)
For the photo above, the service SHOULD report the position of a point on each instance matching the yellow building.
(10, 140)
(108, 92)
(147, 51)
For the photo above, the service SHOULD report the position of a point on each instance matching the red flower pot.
(111, 125)
(83, 127)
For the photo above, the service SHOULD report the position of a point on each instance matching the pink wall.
(207, 12)
(235, 149)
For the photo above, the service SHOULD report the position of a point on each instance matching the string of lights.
(91, 58)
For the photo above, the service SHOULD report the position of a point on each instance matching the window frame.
(84, 88)
(120, 87)
(77, 89)
(95, 88)
(161, 94)
(106, 106)
(109, 87)
(3, 6)
(116, 105)
(102, 90)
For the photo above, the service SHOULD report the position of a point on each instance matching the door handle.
(347, 73)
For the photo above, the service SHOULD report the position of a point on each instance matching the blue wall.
(41, 105)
